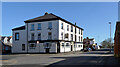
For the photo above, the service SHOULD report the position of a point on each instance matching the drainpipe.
(27, 37)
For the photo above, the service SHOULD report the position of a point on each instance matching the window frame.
(49, 25)
(32, 27)
(62, 25)
(39, 37)
(17, 38)
(32, 38)
(71, 28)
(23, 45)
(39, 26)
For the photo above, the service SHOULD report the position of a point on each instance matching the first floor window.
(81, 39)
(32, 46)
(39, 36)
(71, 37)
(23, 47)
(49, 36)
(62, 35)
(66, 35)
(16, 36)
(32, 36)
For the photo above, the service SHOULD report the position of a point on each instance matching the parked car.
(89, 49)
(85, 49)
(93, 48)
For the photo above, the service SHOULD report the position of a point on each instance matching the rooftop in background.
(87, 38)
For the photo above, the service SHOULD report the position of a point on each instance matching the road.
(97, 58)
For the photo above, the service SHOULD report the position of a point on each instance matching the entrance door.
(47, 50)
(58, 47)
(71, 48)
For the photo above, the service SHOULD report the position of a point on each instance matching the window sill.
(32, 30)
(49, 28)
(39, 29)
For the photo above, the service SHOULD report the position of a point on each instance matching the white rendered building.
(47, 34)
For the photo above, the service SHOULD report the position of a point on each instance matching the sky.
(93, 17)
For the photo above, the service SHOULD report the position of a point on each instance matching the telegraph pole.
(110, 36)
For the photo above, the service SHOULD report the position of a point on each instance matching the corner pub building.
(47, 34)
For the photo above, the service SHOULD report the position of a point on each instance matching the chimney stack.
(46, 13)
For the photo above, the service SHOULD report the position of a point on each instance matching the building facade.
(117, 35)
(89, 43)
(47, 34)
(6, 42)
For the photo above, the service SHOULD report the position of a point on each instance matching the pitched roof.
(19, 28)
(48, 17)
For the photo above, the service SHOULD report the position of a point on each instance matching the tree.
(106, 43)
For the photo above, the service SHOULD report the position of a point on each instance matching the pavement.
(102, 58)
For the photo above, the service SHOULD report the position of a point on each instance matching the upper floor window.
(50, 25)
(71, 37)
(71, 28)
(16, 36)
(66, 35)
(79, 38)
(62, 26)
(62, 35)
(75, 37)
(39, 26)
(32, 36)
(39, 36)
(75, 30)
(49, 36)
(32, 26)
(79, 31)
(67, 27)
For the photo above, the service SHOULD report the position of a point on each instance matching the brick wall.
(117, 40)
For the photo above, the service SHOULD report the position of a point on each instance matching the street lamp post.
(110, 36)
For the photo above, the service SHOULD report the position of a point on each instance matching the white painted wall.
(56, 35)
(17, 45)
(44, 31)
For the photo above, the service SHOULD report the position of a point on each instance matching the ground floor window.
(79, 45)
(62, 44)
(32, 46)
(23, 47)
(67, 45)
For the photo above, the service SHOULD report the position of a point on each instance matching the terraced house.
(47, 34)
